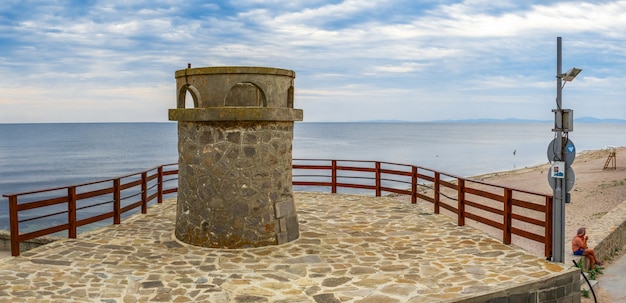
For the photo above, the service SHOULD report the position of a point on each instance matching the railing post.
(71, 211)
(144, 192)
(14, 226)
(378, 180)
(461, 202)
(548, 227)
(334, 177)
(117, 201)
(160, 184)
(436, 190)
(508, 209)
(414, 181)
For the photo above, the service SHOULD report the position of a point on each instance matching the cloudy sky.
(114, 60)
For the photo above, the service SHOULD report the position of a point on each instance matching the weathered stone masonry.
(235, 161)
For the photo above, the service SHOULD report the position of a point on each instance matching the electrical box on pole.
(567, 120)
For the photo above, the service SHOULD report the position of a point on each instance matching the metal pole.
(559, 83)
(558, 222)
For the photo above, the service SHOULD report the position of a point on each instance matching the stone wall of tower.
(235, 157)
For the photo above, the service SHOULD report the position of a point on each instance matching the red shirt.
(579, 242)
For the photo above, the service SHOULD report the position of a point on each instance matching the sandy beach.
(596, 191)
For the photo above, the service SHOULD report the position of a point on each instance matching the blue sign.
(568, 149)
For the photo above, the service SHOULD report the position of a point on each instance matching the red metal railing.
(511, 211)
(87, 203)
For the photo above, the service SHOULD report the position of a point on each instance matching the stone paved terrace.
(351, 249)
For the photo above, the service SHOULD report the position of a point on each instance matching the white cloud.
(329, 12)
(414, 55)
(405, 67)
(462, 20)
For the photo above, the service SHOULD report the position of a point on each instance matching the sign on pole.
(569, 152)
(570, 179)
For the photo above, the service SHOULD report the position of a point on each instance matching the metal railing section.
(71, 207)
(511, 211)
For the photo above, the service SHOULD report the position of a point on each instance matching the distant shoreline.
(586, 120)
(510, 120)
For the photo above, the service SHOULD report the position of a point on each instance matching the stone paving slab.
(351, 249)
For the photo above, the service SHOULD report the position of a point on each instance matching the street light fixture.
(570, 74)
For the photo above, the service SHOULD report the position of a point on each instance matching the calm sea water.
(36, 156)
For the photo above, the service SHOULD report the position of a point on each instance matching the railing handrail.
(463, 187)
(333, 167)
(428, 169)
(71, 197)
(421, 168)
(83, 184)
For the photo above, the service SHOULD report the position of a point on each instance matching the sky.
(355, 60)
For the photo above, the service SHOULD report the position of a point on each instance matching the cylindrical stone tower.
(234, 157)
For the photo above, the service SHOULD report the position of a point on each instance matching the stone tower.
(234, 156)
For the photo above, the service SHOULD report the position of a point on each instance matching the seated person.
(579, 247)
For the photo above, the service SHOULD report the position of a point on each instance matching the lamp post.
(561, 153)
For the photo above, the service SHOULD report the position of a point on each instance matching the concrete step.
(585, 286)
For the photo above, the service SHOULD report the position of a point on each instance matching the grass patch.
(613, 183)
(598, 215)
(585, 293)
(595, 272)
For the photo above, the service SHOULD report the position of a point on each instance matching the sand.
(596, 191)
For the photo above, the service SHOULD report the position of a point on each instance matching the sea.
(39, 156)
